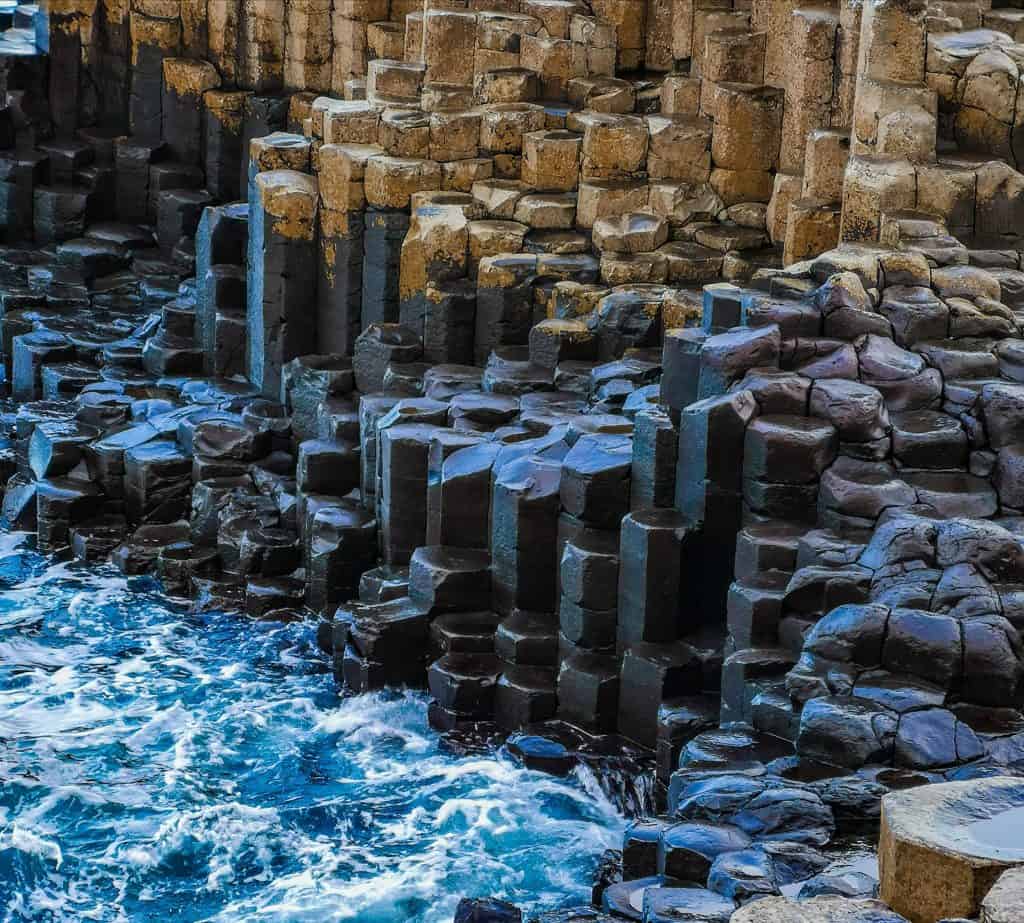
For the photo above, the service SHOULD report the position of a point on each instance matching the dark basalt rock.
(742, 876)
(845, 884)
(847, 731)
(625, 898)
(794, 814)
(640, 847)
(543, 753)
(714, 798)
(527, 638)
(793, 862)
(686, 851)
(463, 632)
(525, 695)
(442, 578)
(465, 683)
(690, 905)
(574, 915)
(486, 910)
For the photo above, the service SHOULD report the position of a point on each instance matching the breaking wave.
(161, 765)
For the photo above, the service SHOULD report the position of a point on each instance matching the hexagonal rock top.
(943, 847)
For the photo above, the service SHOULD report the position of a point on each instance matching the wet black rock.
(840, 884)
(689, 905)
(486, 910)
(686, 851)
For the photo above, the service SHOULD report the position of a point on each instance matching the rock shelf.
(638, 377)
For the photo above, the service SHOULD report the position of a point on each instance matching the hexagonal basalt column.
(281, 274)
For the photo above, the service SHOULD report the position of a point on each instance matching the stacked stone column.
(894, 118)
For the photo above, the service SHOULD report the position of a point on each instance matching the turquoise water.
(162, 765)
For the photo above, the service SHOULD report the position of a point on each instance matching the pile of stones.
(643, 380)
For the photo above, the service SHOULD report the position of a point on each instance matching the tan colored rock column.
(349, 19)
(448, 46)
(709, 17)
(890, 68)
(224, 17)
(261, 54)
(308, 45)
(812, 228)
(893, 124)
(892, 41)
(551, 160)
(874, 185)
(745, 141)
(734, 57)
(195, 29)
(658, 40)
(847, 52)
(774, 18)
(894, 119)
(809, 76)
(630, 20)
(280, 150)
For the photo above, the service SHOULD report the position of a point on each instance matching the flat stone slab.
(943, 847)
(815, 910)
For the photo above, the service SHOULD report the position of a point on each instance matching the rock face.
(944, 847)
(647, 369)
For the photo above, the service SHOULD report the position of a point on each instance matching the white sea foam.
(159, 766)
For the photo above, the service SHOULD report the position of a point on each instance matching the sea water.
(161, 765)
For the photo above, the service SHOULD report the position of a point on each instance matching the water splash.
(160, 765)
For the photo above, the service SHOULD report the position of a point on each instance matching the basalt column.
(340, 265)
(281, 277)
(390, 183)
(308, 45)
(20, 173)
(433, 302)
(220, 325)
(185, 83)
(894, 118)
(261, 54)
(224, 19)
(746, 141)
(223, 116)
(152, 40)
(175, 196)
(114, 54)
(67, 21)
(808, 101)
(279, 150)
(262, 116)
(350, 20)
